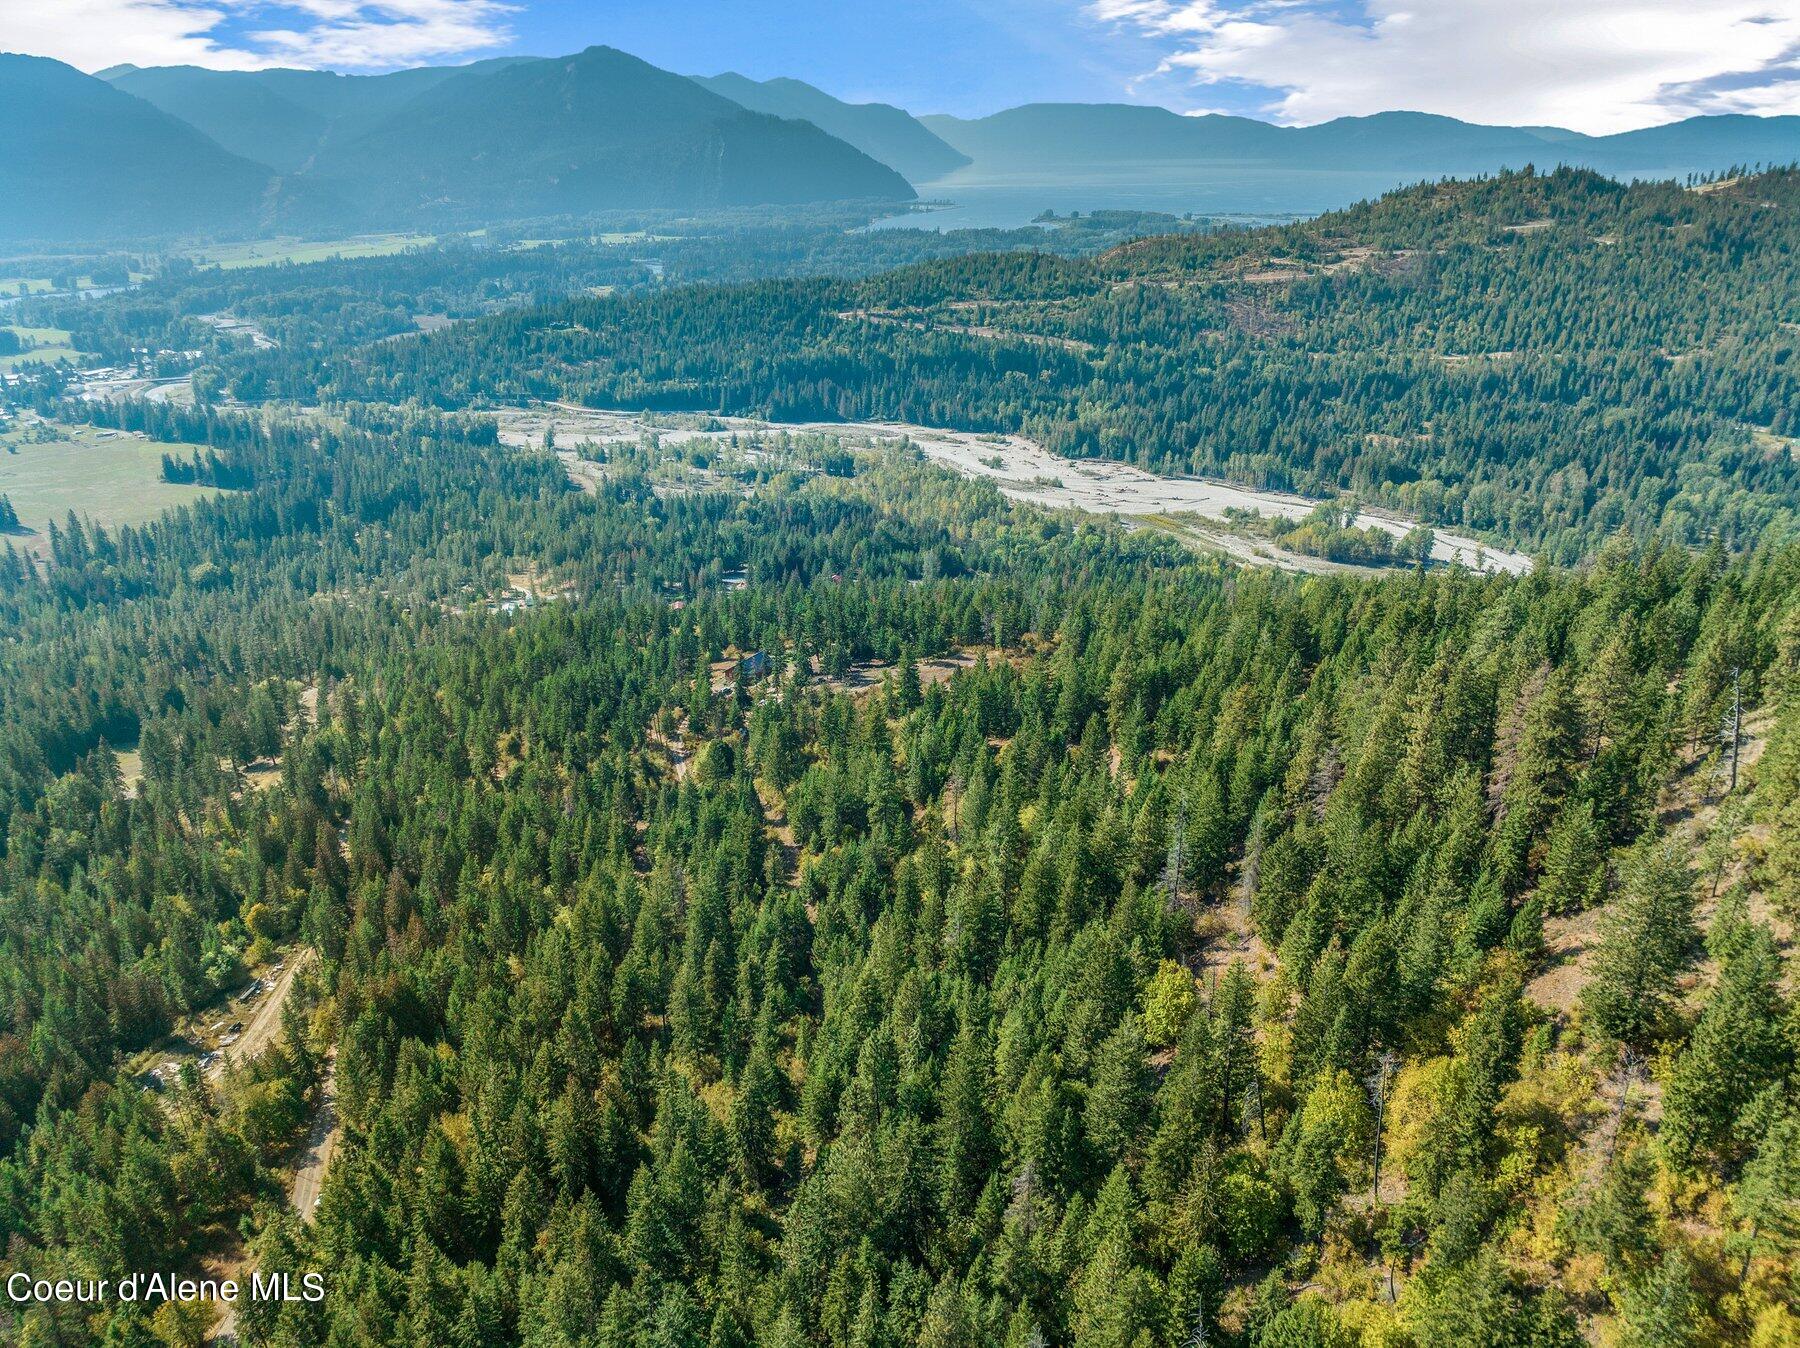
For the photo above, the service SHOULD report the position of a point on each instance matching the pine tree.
(1483, 1302)
(1767, 1201)
(1617, 1222)
(1574, 873)
(1737, 1049)
(1662, 1308)
(1115, 1298)
(1117, 1101)
(752, 1121)
(1644, 942)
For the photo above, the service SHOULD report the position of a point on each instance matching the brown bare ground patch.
(1255, 317)
(675, 747)
(1773, 445)
(1687, 812)
(131, 771)
(865, 676)
(263, 774)
(1568, 951)
(988, 332)
(1471, 357)
(1230, 938)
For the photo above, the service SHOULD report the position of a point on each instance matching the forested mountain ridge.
(902, 1017)
(83, 159)
(1050, 138)
(162, 325)
(1548, 358)
(592, 131)
(589, 132)
(499, 140)
(880, 130)
(234, 108)
(279, 117)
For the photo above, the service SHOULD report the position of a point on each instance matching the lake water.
(979, 200)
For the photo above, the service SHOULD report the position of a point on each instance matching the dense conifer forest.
(1542, 358)
(314, 307)
(840, 907)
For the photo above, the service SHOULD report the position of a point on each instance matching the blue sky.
(1596, 65)
(936, 55)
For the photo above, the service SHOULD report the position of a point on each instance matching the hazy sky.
(1596, 65)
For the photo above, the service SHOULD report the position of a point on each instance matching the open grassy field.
(45, 344)
(269, 252)
(23, 285)
(112, 478)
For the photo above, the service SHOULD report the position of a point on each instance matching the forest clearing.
(113, 478)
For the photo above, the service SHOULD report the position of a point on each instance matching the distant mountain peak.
(1045, 137)
(87, 161)
(887, 134)
(598, 129)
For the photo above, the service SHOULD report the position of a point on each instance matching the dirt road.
(309, 1179)
(265, 1017)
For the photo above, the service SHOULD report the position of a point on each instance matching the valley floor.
(1194, 509)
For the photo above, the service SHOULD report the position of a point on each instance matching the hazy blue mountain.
(235, 108)
(1708, 142)
(279, 117)
(334, 96)
(1418, 141)
(592, 131)
(883, 132)
(83, 160)
(1043, 137)
(151, 152)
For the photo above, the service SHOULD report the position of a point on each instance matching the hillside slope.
(234, 108)
(279, 117)
(84, 160)
(1519, 356)
(593, 131)
(885, 133)
(1048, 136)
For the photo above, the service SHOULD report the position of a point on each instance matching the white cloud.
(94, 34)
(1594, 65)
(374, 33)
(365, 34)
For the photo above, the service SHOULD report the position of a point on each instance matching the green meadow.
(112, 479)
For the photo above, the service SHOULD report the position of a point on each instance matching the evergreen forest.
(841, 906)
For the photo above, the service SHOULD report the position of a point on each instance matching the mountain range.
(1043, 138)
(279, 117)
(596, 131)
(146, 154)
(83, 159)
(880, 130)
